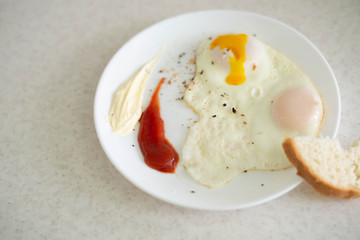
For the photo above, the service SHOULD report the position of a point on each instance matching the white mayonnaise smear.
(125, 110)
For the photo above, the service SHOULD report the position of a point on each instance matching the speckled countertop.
(57, 183)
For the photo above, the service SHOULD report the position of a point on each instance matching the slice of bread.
(324, 164)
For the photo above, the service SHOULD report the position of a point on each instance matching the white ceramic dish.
(178, 35)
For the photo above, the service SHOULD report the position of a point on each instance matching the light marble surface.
(56, 181)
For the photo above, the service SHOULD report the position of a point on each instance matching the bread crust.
(319, 184)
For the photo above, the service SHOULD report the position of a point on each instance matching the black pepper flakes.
(212, 62)
(233, 110)
(192, 191)
(245, 171)
(262, 184)
(213, 116)
(202, 71)
(224, 104)
(133, 145)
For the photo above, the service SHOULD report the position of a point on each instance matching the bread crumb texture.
(322, 162)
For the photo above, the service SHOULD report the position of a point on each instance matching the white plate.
(182, 34)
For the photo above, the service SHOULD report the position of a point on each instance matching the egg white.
(236, 131)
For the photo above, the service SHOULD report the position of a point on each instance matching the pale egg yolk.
(296, 109)
(236, 43)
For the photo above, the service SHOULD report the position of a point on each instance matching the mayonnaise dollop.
(125, 110)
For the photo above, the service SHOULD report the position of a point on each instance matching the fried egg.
(248, 97)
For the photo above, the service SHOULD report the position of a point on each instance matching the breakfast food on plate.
(248, 97)
(158, 152)
(324, 164)
(125, 110)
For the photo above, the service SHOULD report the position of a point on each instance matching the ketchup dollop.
(158, 152)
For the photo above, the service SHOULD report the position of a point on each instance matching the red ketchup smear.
(158, 152)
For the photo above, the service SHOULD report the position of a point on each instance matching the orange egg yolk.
(236, 44)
